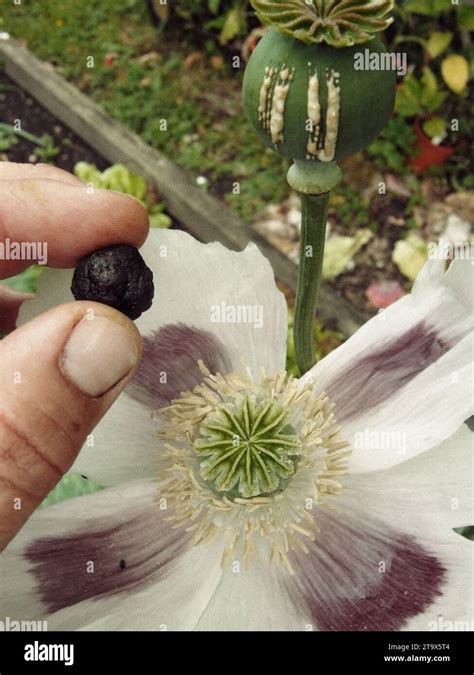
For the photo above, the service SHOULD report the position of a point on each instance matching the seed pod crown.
(340, 23)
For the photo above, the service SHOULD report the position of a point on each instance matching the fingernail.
(98, 354)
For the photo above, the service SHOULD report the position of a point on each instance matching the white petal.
(432, 492)
(174, 602)
(424, 499)
(254, 599)
(53, 289)
(403, 382)
(123, 446)
(108, 560)
(196, 284)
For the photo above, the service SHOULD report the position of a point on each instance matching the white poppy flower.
(256, 501)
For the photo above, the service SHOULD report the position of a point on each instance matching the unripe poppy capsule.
(309, 102)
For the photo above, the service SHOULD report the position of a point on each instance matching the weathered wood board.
(206, 217)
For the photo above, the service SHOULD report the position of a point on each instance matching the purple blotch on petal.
(169, 364)
(361, 575)
(117, 558)
(372, 379)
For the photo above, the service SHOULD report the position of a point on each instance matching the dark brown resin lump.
(116, 276)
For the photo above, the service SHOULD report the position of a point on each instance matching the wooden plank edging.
(202, 214)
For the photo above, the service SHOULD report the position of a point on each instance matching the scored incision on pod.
(319, 147)
(272, 100)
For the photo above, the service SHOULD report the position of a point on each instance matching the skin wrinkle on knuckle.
(74, 409)
(17, 491)
(56, 427)
(20, 447)
(60, 432)
(23, 476)
(135, 218)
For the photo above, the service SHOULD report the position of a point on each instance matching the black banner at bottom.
(81, 652)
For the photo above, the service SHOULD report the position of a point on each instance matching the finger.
(16, 171)
(10, 303)
(60, 373)
(67, 221)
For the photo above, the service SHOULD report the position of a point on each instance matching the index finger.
(18, 171)
(68, 221)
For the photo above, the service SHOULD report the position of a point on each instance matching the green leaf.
(72, 485)
(466, 18)
(431, 98)
(340, 251)
(428, 7)
(435, 126)
(428, 82)
(116, 177)
(407, 102)
(232, 26)
(417, 96)
(214, 6)
(88, 173)
(119, 178)
(410, 255)
(438, 42)
(158, 219)
(26, 281)
(7, 140)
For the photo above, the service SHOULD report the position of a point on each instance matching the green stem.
(314, 210)
(24, 134)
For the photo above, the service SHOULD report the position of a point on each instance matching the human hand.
(62, 371)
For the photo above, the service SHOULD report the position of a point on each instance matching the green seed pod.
(310, 102)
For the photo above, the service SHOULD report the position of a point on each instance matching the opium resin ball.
(309, 102)
(116, 276)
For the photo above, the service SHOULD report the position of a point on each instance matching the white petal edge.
(193, 278)
(53, 289)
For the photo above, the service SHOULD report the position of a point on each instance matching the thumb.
(60, 373)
